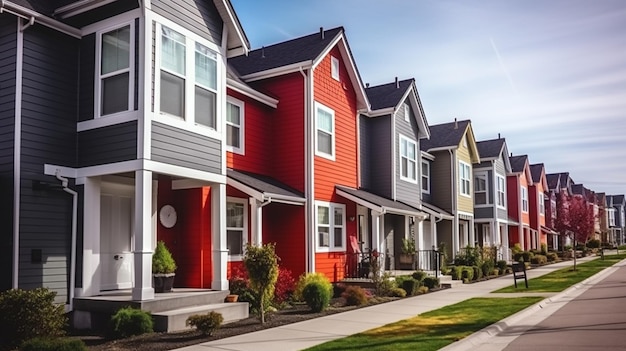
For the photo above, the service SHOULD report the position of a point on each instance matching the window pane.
(232, 136)
(411, 151)
(339, 216)
(338, 237)
(480, 198)
(115, 94)
(403, 147)
(234, 215)
(411, 169)
(115, 50)
(206, 67)
(205, 107)
(172, 50)
(323, 236)
(324, 142)
(324, 121)
(404, 165)
(234, 242)
(233, 114)
(172, 94)
(322, 215)
(424, 183)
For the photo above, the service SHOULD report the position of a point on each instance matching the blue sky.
(549, 76)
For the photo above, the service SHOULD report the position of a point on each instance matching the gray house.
(490, 201)
(108, 108)
(617, 227)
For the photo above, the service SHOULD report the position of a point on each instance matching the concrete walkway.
(316, 331)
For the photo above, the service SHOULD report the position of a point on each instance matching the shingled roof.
(387, 95)
(535, 171)
(553, 180)
(518, 162)
(289, 52)
(490, 148)
(445, 135)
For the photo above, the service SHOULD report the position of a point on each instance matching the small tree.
(575, 216)
(261, 263)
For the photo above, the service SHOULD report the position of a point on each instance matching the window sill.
(106, 121)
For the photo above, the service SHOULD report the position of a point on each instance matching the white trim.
(334, 67)
(17, 149)
(503, 206)
(422, 175)
(400, 156)
(381, 112)
(244, 234)
(111, 22)
(22, 12)
(242, 132)
(251, 93)
(107, 121)
(331, 227)
(333, 132)
(407, 112)
(279, 71)
(79, 7)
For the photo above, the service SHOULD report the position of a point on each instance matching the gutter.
(64, 183)
(32, 16)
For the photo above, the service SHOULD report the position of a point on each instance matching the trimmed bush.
(26, 314)
(128, 321)
(421, 290)
(317, 296)
(410, 286)
(516, 248)
(54, 344)
(539, 259)
(355, 296)
(419, 275)
(593, 244)
(552, 256)
(431, 282)
(467, 273)
(397, 292)
(495, 271)
(307, 278)
(478, 273)
(487, 268)
(457, 272)
(502, 265)
(205, 323)
(544, 249)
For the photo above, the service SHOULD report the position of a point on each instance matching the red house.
(537, 196)
(518, 182)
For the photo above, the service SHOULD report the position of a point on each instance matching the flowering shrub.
(285, 286)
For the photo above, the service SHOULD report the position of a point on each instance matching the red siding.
(513, 200)
(284, 225)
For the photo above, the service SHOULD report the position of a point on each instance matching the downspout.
(17, 148)
(308, 174)
(64, 183)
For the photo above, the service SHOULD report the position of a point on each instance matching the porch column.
(218, 237)
(520, 234)
(256, 222)
(456, 235)
(142, 290)
(505, 244)
(472, 232)
(419, 235)
(433, 232)
(91, 242)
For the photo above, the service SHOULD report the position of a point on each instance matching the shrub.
(338, 289)
(487, 268)
(431, 282)
(421, 290)
(495, 271)
(502, 265)
(523, 256)
(53, 344)
(516, 248)
(539, 259)
(128, 321)
(544, 249)
(384, 285)
(307, 278)
(261, 262)
(26, 314)
(162, 260)
(410, 286)
(552, 256)
(317, 296)
(419, 275)
(478, 273)
(467, 273)
(470, 256)
(355, 296)
(457, 272)
(397, 292)
(206, 323)
(285, 285)
(593, 244)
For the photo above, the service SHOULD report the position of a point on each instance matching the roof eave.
(239, 45)
(278, 71)
(251, 93)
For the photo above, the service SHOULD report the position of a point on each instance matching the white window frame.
(425, 175)
(611, 217)
(542, 204)
(413, 144)
(524, 199)
(319, 106)
(334, 68)
(99, 76)
(482, 175)
(501, 191)
(188, 123)
(244, 230)
(465, 179)
(331, 227)
(241, 149)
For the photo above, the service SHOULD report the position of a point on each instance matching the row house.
(537, 202)
(518, 206)
(616, 205)
(553, 181)
(579, 190)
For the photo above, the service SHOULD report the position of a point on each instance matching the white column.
(433, 232)
(505, 243)
(143, 237)
(419, 236)
(520, 233)
(256, 222)
(218, 237)
(91, 238)
(472, 232)
(455, 235)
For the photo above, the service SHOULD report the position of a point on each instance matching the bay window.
(408, 160)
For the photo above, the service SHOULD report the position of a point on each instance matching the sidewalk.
(313, 332)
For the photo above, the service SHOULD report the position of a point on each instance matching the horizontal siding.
(102, 12)
(200, 17)
(109, 144)
(483, 212)
(381, 169)
(341, 98)
(465, 203)
(331, 264)
(364, 151)
(407, 192)
(86, 81)
(440, 180)
(183, 148)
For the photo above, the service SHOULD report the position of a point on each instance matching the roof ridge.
(341, 28)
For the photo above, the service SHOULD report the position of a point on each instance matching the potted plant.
(407, 254)
(163, 268)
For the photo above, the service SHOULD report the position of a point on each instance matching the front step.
(446, 281)
(175, 320)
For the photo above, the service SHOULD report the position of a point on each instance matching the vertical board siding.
(87, 77)
(200, 17)
(49, 115)
(407, 192)
(257, 149)
(381, 170)
(286, 131)
(109, 144)
(364, 151)
(183, 148)
(8, 44)
(465, 203)
(441, 179)
(339, 96)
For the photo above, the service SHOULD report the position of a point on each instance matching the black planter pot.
(163, 283)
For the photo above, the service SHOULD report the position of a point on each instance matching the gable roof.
(448, 136)
(618, 199)
(387, 98)
(553, 180)
(519, 164)
(537, 172)
(494, 149)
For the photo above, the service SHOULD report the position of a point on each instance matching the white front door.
(363, 230)
(116, 231)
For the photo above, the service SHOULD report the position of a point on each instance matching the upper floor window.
(325, 131)
(524, 199)
(464, 178)
(408, 159)
(236, 229)
(407, 113)
(611, 217)
(234, 125)
(480, 189)
(542, 205)
(188, 79)
(115, 73)
(334, 67)
(501, 191)
(426, 177)
(330, 226)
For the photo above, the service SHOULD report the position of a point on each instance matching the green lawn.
(436, 329)
(564, 278)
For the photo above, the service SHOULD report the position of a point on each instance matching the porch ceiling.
(378, 203)
(436, 211)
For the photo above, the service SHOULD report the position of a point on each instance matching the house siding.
(483, 212)
(364, 151)
(49, 114)
(407, 192)
(465, 203)
(8, 43)
(109, 144)
(87, 77)
(440, 181)
(183, 148)
(380, 161)
(197, 16)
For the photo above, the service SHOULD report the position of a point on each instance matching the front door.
(116, 230)
(363, 229)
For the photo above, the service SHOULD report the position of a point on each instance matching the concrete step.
(174, 320)
(446, 281)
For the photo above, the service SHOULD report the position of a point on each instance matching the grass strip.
(562, 279)
(435, 329)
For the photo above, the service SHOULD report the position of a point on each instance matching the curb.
(474, 340)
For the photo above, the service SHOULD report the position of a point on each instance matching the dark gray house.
(618, 223)
(102, 103)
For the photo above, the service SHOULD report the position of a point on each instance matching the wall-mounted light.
(351, 218)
